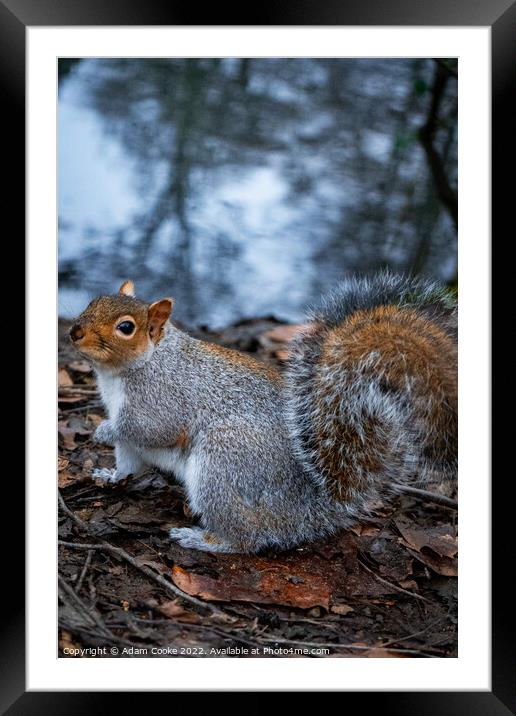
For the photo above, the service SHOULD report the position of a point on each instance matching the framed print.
(246, 170)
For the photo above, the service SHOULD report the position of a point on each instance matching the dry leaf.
(364, 530)
(439, 538)
(304, 578)
(67, 438)
(87, 467)
(176, 612)
(64, 479)
(408, 584)
(68, 478)
(369, 531)
(341, 609)
(445, 566)
(63, 378)
(263, 586)
(436, 547)
(66, 641)
(158, 567)
(68, 430)
(135, 514)
(95, 419)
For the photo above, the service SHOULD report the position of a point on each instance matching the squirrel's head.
(114, 330)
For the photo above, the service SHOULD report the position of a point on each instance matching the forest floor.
(386, 588)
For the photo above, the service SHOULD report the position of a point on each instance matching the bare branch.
(393, 586)
(122, 554)
(428, 496)
(426, 136)
(452, 70)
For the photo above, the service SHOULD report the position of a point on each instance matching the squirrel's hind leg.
(197, 538)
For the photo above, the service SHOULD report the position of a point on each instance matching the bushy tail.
(371, 387)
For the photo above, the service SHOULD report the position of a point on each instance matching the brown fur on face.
(95, 333)
(101, 342)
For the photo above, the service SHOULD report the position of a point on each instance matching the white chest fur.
(111, 389)
(184, 466)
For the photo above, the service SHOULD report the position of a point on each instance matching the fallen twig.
(436, 161)
(259, 639)
(169, 586)
(355, 647)
(394, 586)
(89, 614)
(414, 635)
(99, 635)
(428, 496)
(83, 389)
(91, 405)
(84, 570)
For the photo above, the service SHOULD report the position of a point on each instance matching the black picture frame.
(500, 16)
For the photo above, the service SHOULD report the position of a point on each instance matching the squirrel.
(368, 401)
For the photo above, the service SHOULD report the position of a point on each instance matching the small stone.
(315, 612)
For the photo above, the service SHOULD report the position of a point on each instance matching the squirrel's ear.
(158, 315)
(127, 288)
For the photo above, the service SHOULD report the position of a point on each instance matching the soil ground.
(386, 588)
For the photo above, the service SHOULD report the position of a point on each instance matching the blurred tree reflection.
(368, 149)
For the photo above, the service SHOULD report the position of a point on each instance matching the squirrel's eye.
(126, 327)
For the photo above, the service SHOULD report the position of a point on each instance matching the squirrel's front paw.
(104, 434)
(109, 475)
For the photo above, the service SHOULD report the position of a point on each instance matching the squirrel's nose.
(76, 332)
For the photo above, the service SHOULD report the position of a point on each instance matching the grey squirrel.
(368, 401)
